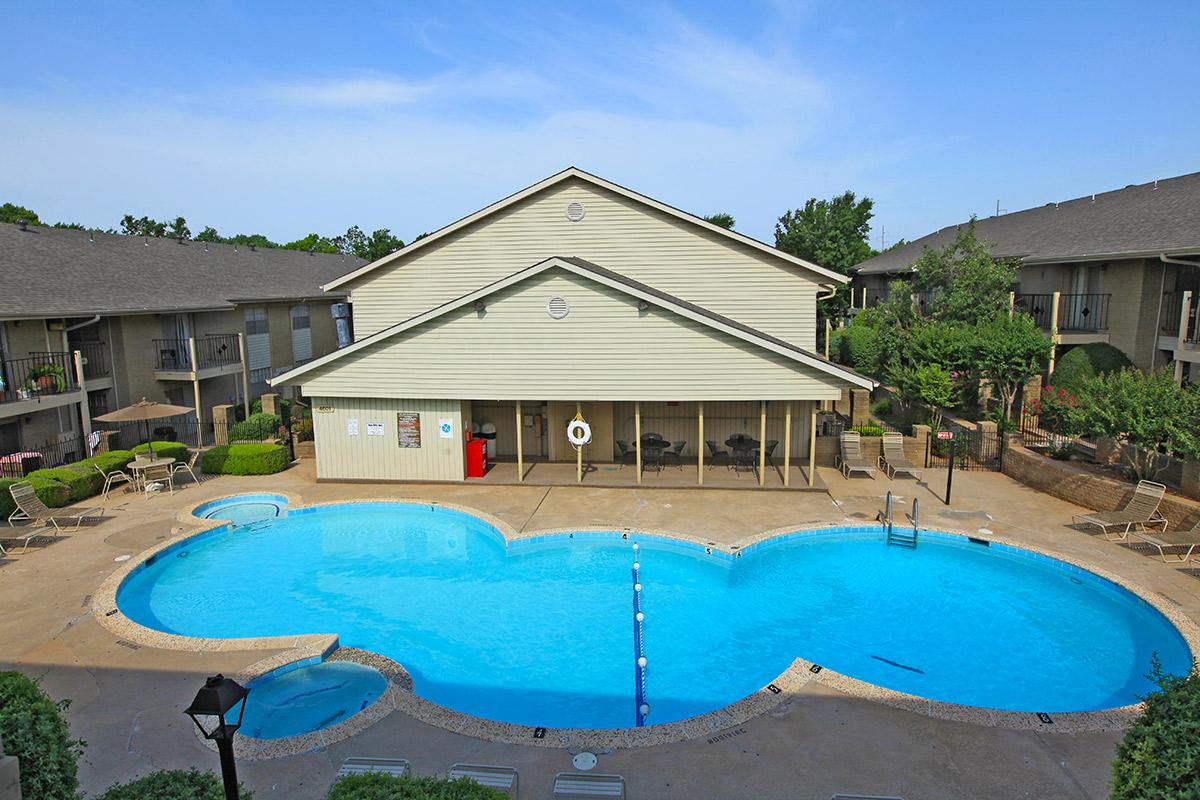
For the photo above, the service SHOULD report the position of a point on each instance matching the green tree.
(966, 282)
(369, 248)
(178, 228)
(1159, 758)
(10, 212)
(34, 729)
(1008, 352)
(927, 384)
(314, 242)
(1147, 410)
(142, 226)
(722, 219)
(209, 234)
(831, 233)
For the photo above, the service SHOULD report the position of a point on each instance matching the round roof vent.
(557, 307)
(575, 211)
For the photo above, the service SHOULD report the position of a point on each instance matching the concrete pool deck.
(127, 700)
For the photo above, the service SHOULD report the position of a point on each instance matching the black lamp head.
(213, 704)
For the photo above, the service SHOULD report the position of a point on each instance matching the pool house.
(688, 350)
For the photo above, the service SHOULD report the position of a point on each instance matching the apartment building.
(1121, 267)
(90, 322)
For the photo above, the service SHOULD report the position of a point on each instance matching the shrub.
(81, 481)
(175, 450)
(173, 784)
(1158, 759)
(113, 459)
(257, 427)
(33, 729)
(881, 408)
(376, 786)
(284, 406)
(868, 430)
(244, 459)
(857, 346)
(1081, 364)
(1057, 411)
(51, 492)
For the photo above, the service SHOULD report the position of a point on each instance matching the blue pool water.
(308, 698)
(541, 632)
(243, 509)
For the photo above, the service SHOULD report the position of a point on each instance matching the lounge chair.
(1189, 539)
(893, 461)
(1141, 511)
(850, 459)
(188, 466)
(23, 535)
(502, 779)
(154, 476)
(588, 786)
(31, 507)
(716, 454)
(114, 477)
(357, 765)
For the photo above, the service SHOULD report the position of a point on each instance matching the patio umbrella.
(144, 410)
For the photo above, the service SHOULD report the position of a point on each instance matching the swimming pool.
(540, 631)
(243, 509)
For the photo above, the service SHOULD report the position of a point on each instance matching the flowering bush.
(1057, 411)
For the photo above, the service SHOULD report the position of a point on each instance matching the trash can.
(487, 432)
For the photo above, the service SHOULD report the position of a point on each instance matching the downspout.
(84, 324)
(829, 287)
(1165, 259)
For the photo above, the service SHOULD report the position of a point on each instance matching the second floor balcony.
(215, 354)
(51, 377)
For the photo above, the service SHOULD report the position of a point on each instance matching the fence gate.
(973, 450)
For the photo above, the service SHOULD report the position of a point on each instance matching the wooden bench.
(502, 779)
(588, 786)
(388, 766)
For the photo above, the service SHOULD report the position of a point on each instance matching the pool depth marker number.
(639, 653)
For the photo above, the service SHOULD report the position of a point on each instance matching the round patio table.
(139, 464)
(741, 443)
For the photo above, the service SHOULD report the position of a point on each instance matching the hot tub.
(309, 696)
(244, 509)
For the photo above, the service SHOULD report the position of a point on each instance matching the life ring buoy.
(579, 432)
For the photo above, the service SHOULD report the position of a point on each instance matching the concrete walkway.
(127, 702)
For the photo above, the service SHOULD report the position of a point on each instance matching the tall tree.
(314, 243)
(830, 233)
(722, 219)
(369, 248)
(11, 212)
(967, 283)
(142, 226)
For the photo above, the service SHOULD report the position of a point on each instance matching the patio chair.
(23, 535)
(30, 507)
(850, 459)
(675, 453)
(716, 454)
(770, 449)
(188, 466)
(1141, 511)
(502, 779)
(652, 459)
(114, 477)
(588, 786)
(155, 475)
(893, 461)
(1189, 539)
(357, 765)
(625, 453)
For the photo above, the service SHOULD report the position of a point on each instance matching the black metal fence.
(973, 449)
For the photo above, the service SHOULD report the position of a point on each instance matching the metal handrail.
(914, 517)
(885, 516)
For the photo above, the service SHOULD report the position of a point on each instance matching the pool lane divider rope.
(642, 709)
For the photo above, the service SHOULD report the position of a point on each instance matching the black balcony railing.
(1076, 312)
(95, 359)
(211, 351)
(876, 296)
(36, 376)
(1172, 308)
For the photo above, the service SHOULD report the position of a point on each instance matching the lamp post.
(218, 698)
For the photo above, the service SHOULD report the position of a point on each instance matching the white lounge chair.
(188, 466)
(23, 534)
(1189, 539)
(30, 507)
(114, 477)
(357, 765)
(502, 779)
(893, 460)
(1141, 511)
(850, 459)
(588, 786)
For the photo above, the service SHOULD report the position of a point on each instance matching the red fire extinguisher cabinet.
(477, 458)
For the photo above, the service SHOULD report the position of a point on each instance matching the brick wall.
(1072, 483)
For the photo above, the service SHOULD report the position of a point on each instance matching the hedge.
(1159, 759)
(1080, 364)
(81, 482)
(113, 459)
(33, 729)
(174, 784)
(868, 430)
(377, 786)
(256, 428)
(244, 459)
(175, 450)
(51, 492)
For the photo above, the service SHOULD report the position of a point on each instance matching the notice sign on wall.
(446, 428)
(374, 429)
(352, 426)
(408, 425)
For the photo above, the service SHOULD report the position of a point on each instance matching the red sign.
(945, 435)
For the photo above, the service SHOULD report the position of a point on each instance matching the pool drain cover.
(584, 761)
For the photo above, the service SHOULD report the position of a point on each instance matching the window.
(256, 321)
(299, 317)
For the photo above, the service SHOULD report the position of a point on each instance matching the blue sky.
(288, 118)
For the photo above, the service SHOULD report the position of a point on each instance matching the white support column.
(85, 413)
(787, 443)
(1054, 329)
(1012, 304)
(812, 444)
(762, 443)
(245, 374)
(637, 435)
(578, 450)
(827, 334)
(864, 300)
(196, 390)
(700, 444)
(520, 436)
(1185, 311)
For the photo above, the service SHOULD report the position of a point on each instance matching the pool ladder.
(901, 538)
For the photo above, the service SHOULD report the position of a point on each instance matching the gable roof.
(616, 281)
(58, 272)
(1138, 221)
(575, 172)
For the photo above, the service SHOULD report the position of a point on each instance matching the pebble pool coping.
(782, 690)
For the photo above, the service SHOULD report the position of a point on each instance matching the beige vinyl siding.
(363, 457)
(620, 234)
(605, 349)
